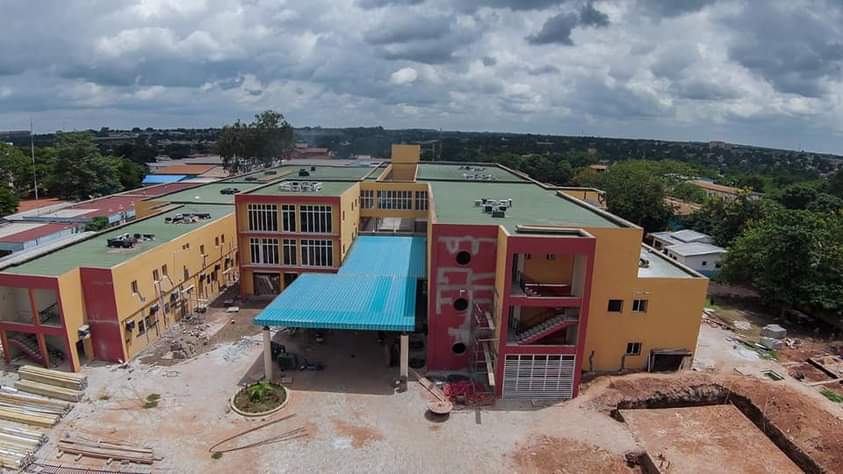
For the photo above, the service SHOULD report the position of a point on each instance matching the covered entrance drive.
(374, 290)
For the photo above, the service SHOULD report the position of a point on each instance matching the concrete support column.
(405, 357)
(267, 354)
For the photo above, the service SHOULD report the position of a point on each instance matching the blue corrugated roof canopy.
(374, 289)
(163, 178)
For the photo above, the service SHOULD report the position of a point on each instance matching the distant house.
(680, 207)
(599, 168)
(691, 248)
(720, 191)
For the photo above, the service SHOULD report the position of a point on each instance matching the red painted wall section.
(451, 281)
(101, 306)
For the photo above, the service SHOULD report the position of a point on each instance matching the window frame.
(640, 305)
(317, 253)
(288, 217)
(609, 305)
(421, 199)
(264, 251)
(289, 249)
(633, 345)
(316, 219)
(262, 217)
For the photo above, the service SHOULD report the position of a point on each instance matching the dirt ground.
(354, 420)
(704, 439)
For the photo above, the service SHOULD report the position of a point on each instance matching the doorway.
(289, 278)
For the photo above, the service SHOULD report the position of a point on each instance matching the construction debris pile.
(187, 341)
(37, 402)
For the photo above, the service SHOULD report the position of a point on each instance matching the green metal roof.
(532, 205)
(452, 172)
(95, 253)
(339, 172)
(208, 193)
(374, 290)
(329, 188)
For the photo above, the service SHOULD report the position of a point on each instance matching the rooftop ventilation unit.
(499, 212)
(229, 191)
(471, 168)
(478, 177)
(139, 237)
(251, 178)
(643, 263)
(304, 172)
(300, 186)
(312, 168)
(187, 218)
(124, 241)
(270, 172)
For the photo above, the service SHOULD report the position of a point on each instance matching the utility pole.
(32, 151)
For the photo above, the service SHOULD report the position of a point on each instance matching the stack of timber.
(53, 377)
(18, 445)
(12, 396)
(112, 451)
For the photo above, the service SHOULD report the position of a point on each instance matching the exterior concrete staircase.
(544, 329)
(28, 345)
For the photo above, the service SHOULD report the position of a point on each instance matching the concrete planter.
(262, 413)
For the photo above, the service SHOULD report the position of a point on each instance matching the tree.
(797, 196)
(15, 169)
(793, 258)
(8, 200)
(80, 171)
(825, 202)
(835, 184)
(636, 194)
(725, 220)
(96, 224)
(260, 142)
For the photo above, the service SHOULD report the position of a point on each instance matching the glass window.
(263, 217)
(421, 200)
(615, 306)
(289, 252)
(317, 253)
(633, 348)
(367, 199)
(395, 199)
(639, 306)
(264, 251)
(315, 219)
(288, 217)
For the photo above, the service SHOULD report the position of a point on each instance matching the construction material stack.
(36, 403)
(52, 383)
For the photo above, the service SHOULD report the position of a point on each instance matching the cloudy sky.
(753, 71)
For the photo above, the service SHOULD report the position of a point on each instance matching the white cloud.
(688, 70)
(405, 75)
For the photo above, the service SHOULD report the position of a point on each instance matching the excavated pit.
(708, 394)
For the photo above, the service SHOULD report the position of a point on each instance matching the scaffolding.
(483, 346)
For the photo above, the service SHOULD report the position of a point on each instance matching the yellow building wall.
(501, 277)
(349, 218)
(540, 269)
(73, 311)
(176, 258)
(674, 305)
(406, 154)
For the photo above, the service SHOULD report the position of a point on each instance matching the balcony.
(523, 286)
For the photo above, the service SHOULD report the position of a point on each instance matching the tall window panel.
(289, 252)
(315, 219)
(288, 218)
(367, 199)
(395, 199)
(264, 251)
(263, 217)
(317, 253)
(421, 200)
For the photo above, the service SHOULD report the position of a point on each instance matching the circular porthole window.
(461, 304)
(458, 348)
(463, 257)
